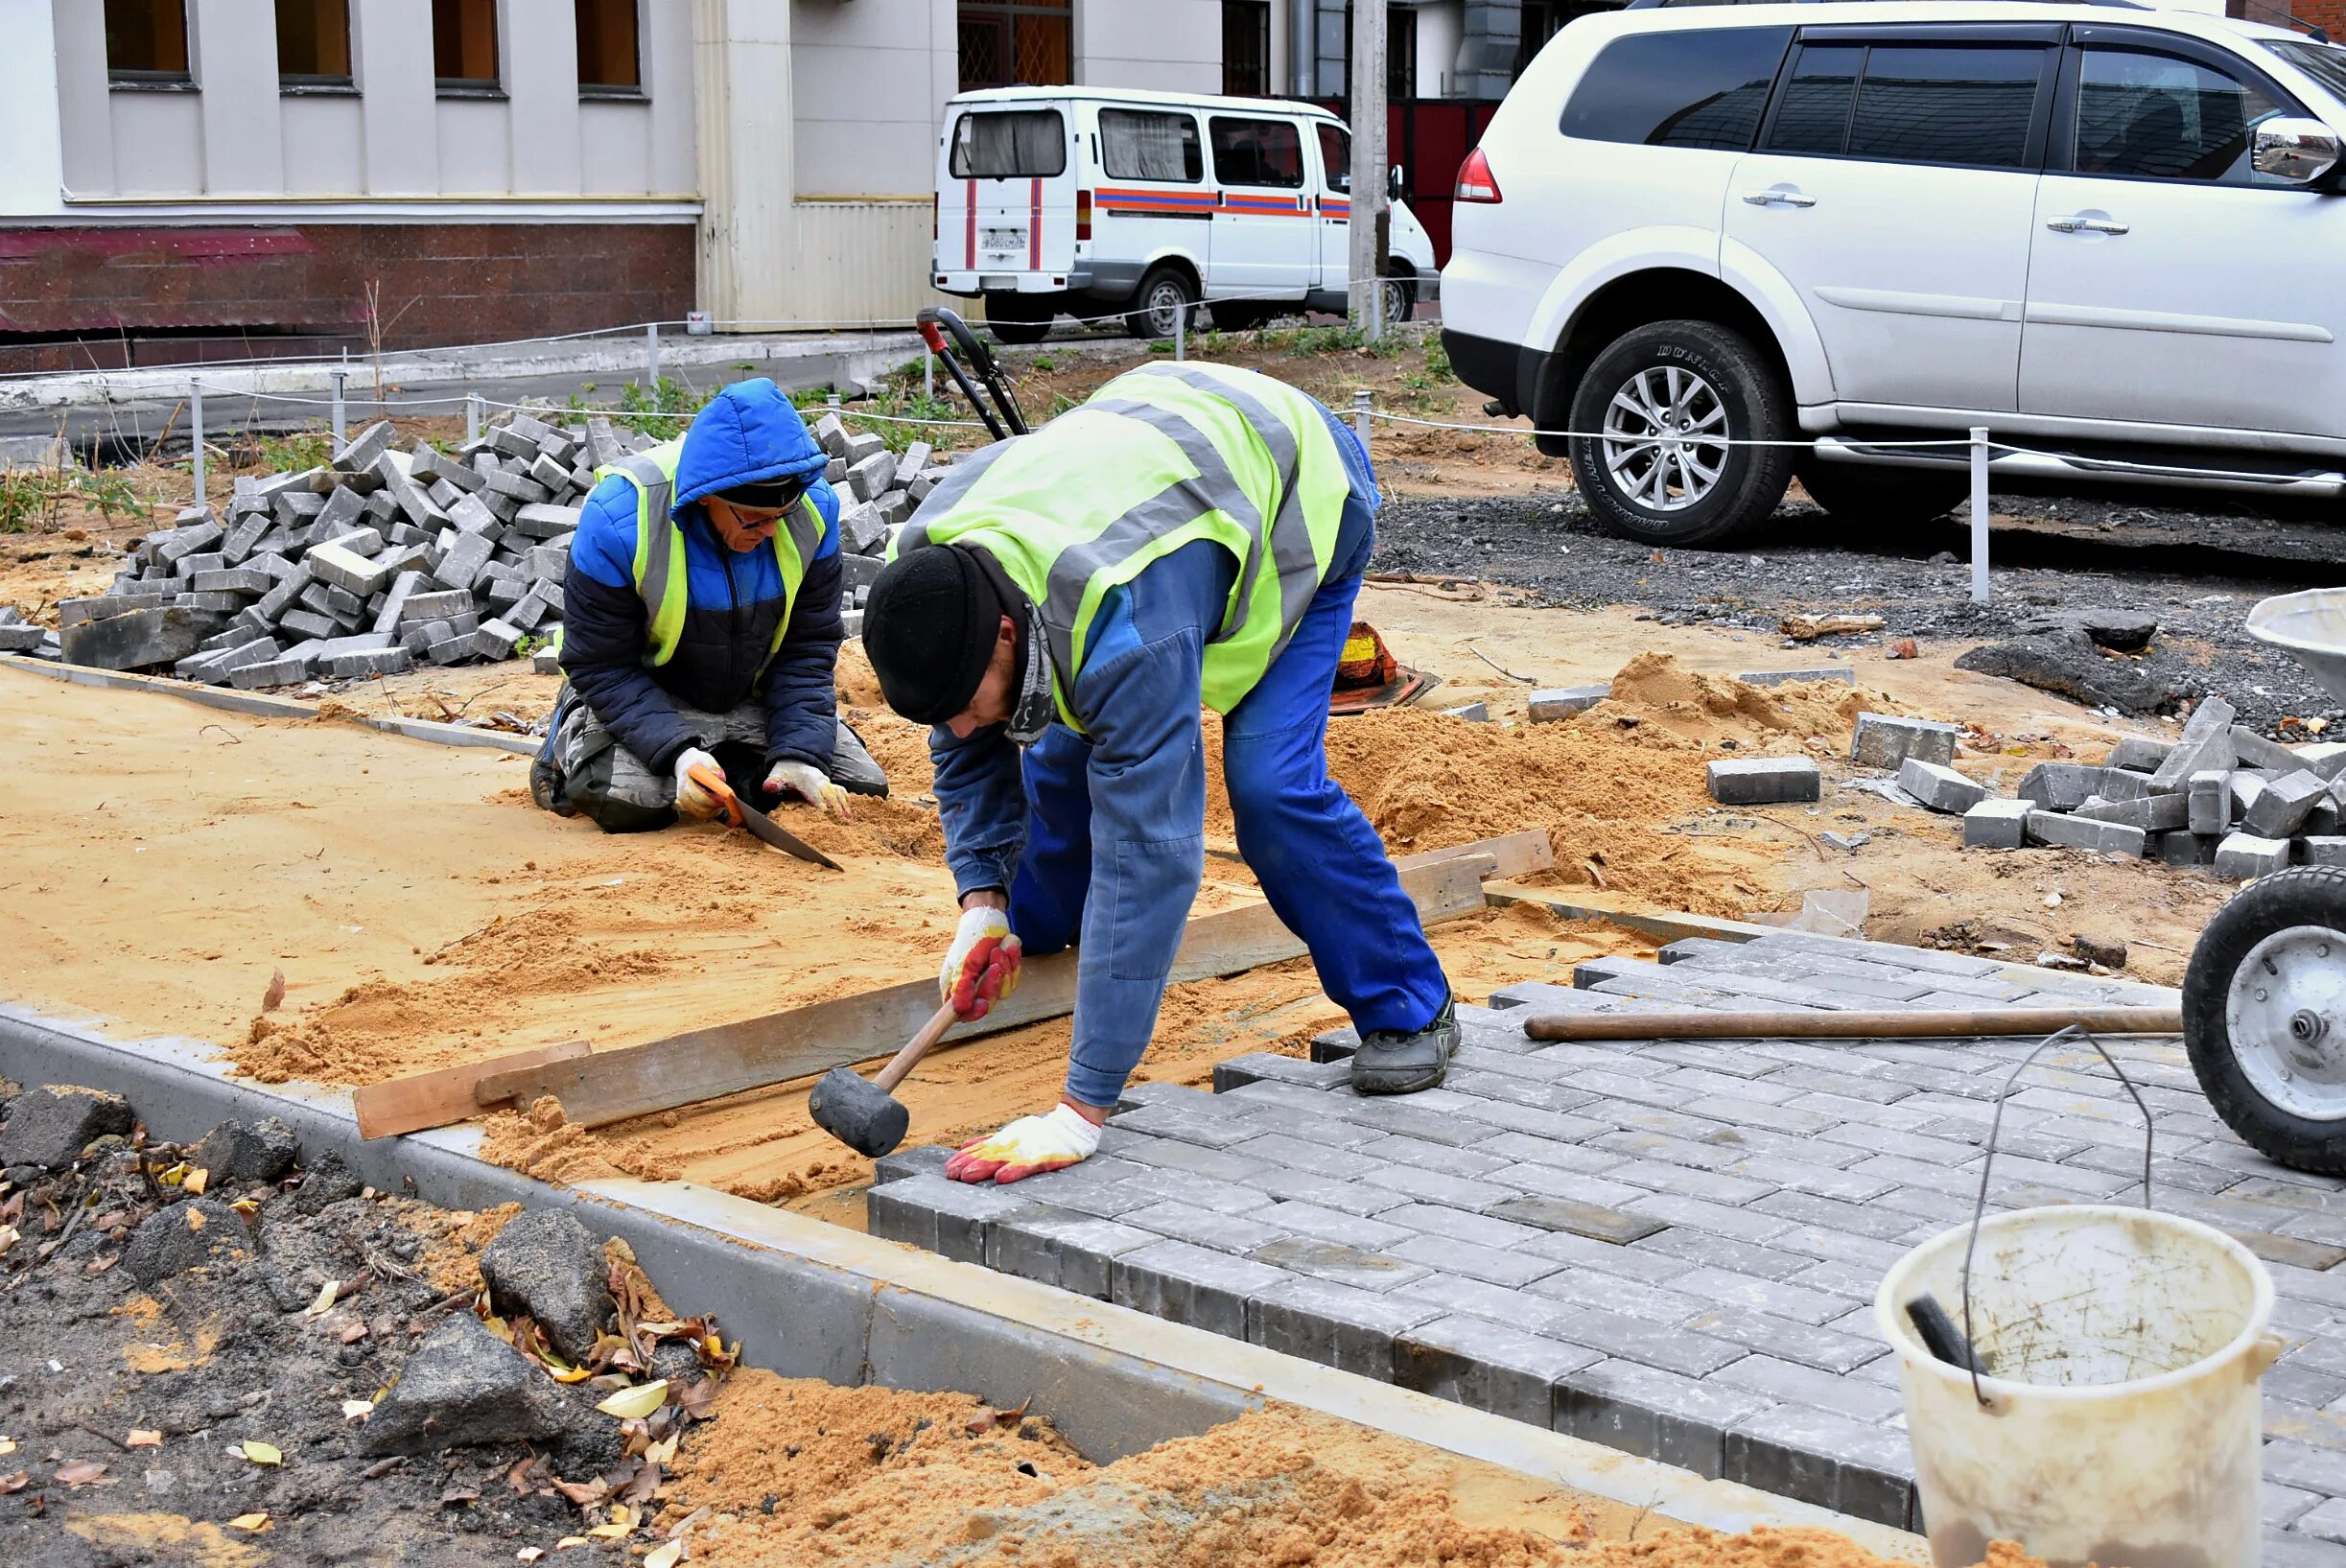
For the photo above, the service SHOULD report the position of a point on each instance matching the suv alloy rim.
(1665, 438)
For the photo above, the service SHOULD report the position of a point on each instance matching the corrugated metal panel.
(846, 261)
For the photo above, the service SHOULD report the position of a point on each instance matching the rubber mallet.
(863, 1112)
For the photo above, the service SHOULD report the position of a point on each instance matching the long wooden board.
(434, 1099)
(727, 1059)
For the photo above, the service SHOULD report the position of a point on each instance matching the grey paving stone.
(1073, 1251)
(1821, 1345)
(1822, 1458)
(1408, 1182)
(1173, 1155)
(1764, 781)
(1334, 1324)
(1204, 1228)
(1487, 1366)
(1705, 1250)
(1680, 1350)
(1405, 1150)
(1214, 1128)
(2294, 1462)
(1885, 740)
(2309, 1513)
(1194, 1285)
(1850, 1186)
(1611, 1293)
(1779, 1298)
(1524, 1149)
(1306, 1219)
(1581, 1218)
(1344, 1265)
(1753, 1224)
(1278, 1183)
(1641, 1262)
(1654, 1414)
(1297, 1154)
(2288, 1548)
(1794, 1384)
(1494, 1264)
(1265, 1066)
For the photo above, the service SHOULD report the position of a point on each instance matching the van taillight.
(1474, 181)
(1083, 215)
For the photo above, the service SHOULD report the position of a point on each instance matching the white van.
(1093, 201)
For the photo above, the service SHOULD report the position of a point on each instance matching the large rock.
(236, 1151)
(182, 1236)
(462, 1386)
(330, 1179)
(2067, 661)
(138, 639)
(550, 1266)
(48, 1127)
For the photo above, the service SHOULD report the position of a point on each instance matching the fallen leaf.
(14, 1483)
(459, 1494)
(142, 1439)
(80, 1472)
(247, 1207)
(529, 1554)
(609, 1533)
(662, 1452)
(253, 1522)
(9, 1237)
(664, 1556)
(352, 1332)
(275, 996)
(356, 1410)
(643, 1399)
(194, 1218)
(584, 1493)
(261, 1453)
(324, 1303)
(8, 1446)
(196, 1181)
(569, 1541)
(173, 1176)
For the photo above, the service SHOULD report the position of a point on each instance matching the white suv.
(2112, 235)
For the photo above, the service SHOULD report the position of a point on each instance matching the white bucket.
(2123, 1426)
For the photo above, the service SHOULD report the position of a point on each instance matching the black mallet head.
(859, 1112)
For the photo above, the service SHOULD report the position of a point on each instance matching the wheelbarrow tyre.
(2301, 896)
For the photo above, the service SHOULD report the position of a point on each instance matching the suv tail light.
(1474, 181)
(1083, 215)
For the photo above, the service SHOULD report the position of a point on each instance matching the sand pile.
(1654, 688)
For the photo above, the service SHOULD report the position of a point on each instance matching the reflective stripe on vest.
(1159, 458)
(659, 568)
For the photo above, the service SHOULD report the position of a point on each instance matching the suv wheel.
(1860, 493)
(1659, 407)
(1164, 295)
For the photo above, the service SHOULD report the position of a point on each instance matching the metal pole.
(340, 376)
(472, 418)
(1361, 403)
(195, 420)
(1978, 514)
(651, 357)
(928, 377)
(1181, 333)
(1364, 261)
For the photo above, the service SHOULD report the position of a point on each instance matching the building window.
(146, 40)
(1246, 48)
(464, 46)
(1009, 43)
(1400, 53)
(314, 43)
(609, 64)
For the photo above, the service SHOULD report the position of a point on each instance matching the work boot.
(852, 767)
(1391, 1062)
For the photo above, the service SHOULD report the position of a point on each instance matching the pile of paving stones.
(382, 560)
(2221, 796)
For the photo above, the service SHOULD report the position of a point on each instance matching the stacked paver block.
(1671, 1248)
(1885, 740)
(1764, 781)
(878, 491)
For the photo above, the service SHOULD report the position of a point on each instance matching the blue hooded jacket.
(749, 432)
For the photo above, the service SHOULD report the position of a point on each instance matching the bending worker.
(1059, 609)
(700, 628)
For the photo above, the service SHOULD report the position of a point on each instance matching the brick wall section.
(2330, 16)
(235, 290)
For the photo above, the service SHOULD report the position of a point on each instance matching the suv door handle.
(2086, 225)
(1778, 199)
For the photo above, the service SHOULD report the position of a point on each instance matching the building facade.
(192, 179)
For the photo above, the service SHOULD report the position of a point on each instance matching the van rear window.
(1147, 144)
(1009, 143)
(1697, 88)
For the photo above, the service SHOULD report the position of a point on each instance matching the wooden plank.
(728, 1059)
(434, 1099)
(1517, 854)
(1668, 925)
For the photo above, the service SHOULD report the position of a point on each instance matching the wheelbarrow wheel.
(2264, 1017)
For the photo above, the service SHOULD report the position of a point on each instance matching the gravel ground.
(2198, 572)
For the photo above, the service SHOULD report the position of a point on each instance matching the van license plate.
(998, 280)
(1006, 238)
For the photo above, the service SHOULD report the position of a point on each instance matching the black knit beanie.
(929, 628)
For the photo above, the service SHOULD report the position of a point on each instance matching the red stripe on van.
(1034, 228)
(972, 229)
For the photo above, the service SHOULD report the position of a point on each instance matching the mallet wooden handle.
(1788, 1024)
(905, 1061)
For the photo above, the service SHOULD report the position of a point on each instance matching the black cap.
(929, 628)
(774, 495)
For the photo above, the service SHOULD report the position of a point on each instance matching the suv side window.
(1966, 105)
(2150, 116)
(1813, 113)
(1683, 88)
(1257, 151)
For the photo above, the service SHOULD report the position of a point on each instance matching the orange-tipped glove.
(982, 966)
(1027, 1147)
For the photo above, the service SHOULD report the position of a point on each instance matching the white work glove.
(1027, 1147)
(810, 784)
(982, 966)
(692, 800)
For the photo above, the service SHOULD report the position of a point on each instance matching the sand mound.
(542, 1142)
(1654, 688)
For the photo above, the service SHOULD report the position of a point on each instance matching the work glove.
(1027, 1147)
(692, 800)
(982, 966)
(810, 784)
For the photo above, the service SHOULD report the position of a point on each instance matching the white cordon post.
(651, 357)
(1367, 196)
(928, 375)
(1181, 333)
(472, 417)
(1362, 402)
(194, 424)
(340, 377)
(1978, 514)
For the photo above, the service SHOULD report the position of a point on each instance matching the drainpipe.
(1302, 47)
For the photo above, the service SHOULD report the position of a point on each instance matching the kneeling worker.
(1059, 609)
(700, 628)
